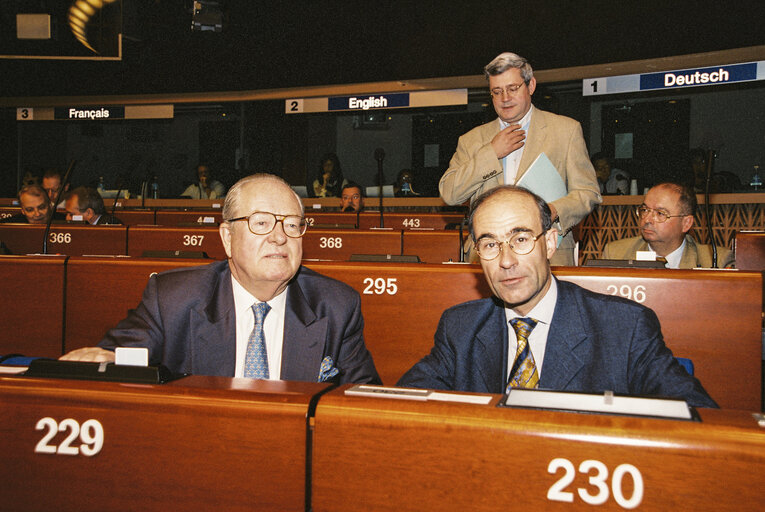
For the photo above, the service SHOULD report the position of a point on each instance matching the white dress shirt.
(674, 258)
(512, 161)
(273, 328)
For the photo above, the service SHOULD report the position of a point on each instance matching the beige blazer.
(695, 255)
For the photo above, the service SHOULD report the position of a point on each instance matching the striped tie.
(524, 373)
(256, 358)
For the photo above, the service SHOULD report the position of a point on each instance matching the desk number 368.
(91, 435)
(558, 492)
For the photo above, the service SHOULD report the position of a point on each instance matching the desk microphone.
(707, 207)
(379, 156)
(120, 186)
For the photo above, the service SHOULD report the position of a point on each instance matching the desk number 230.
(557, 491)
(91, 433)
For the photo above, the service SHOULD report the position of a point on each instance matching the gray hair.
(231, 203)
(505, 61)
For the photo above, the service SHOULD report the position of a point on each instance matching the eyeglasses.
(659, 215)
(509, 90)
(520, 243)
(262, 223)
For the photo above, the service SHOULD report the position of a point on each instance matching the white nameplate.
(131, 356)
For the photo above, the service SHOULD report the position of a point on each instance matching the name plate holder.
(54, 369)
(607, 403)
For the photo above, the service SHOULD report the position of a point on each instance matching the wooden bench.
(436, 246)
(176, 217)
(750, 250)
(163, 238)
(340, 244)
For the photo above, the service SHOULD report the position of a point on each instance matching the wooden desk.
(120, 283)
(399, 455)
(202, 217)
(69, 239)
(9, 211)
(433, 246)
(32, 318)
(750, 250)
(402, 304)
(340, 244)
(409, 220)
(164, 238)
(201, 443)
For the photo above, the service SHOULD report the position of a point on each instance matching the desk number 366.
(598, 473)
(91, 435)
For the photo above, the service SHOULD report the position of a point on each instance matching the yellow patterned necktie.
(524, 373)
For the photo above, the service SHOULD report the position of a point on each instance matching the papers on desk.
(415, 394)
(606, 403)
(12, 370)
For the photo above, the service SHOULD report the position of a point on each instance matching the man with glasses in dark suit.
(258, 305)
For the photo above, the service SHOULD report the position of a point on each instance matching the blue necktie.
(256, 359)
(524, 373)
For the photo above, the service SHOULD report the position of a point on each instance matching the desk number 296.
(91, 435)
(598, 474)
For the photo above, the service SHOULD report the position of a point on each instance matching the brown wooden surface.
(9, 211)
(201, 443)
(164, 238)
(398, 455)
(750, 250)
(323, 243)
(433, 246)
(31, 321)
(399, 327)
(175, 217)
(409, 220)
(69, 239)
(120, 283)
(132, 217)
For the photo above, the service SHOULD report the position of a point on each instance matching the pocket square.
(327, 370)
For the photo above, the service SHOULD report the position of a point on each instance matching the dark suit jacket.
(187, 321)
(596, 343)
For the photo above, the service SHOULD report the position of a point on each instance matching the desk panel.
(69, 239)
(132, 217)
(8, 211)
(750, 250)
(402, 304)
(120, 283)
(691, 304)
(201, 443)
(31, 321)
(164, 238)
(433, 246)
(203, 217)
(398, 455)
(340, 244)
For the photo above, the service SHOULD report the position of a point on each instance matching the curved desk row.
(55, 304)
(213, 443)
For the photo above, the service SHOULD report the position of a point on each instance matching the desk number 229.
(91, 433)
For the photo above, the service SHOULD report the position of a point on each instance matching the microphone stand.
(121, 184)
(61, 188)
(379, 157)
(707, 206)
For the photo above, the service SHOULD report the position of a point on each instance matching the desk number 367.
(91, 435)
(598, 473)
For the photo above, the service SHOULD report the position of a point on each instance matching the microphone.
(120, 186)
(707, 207)
(379, 155)
(53, 212)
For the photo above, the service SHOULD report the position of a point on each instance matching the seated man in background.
(351, 197)
(51, 182)
(86, 204)
(664, 219)
(205, 187)
(610, 180)
(35, 207)
(259, 314)
(563, 337)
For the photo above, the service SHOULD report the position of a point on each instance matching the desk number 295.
(558, 492)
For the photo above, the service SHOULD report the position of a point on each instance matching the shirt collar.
(243, 300)
(543, 311)
(524, 122)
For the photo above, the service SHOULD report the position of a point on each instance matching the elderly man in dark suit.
(563, 337)
(259, 314)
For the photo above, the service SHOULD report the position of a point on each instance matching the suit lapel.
(490, 350)
(567, 349)
(304, 338)
(535, 139)
(212, 329)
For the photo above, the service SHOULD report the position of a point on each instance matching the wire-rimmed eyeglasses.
(262, 223)
(508, 89)
(520, 243)
(659, 215)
